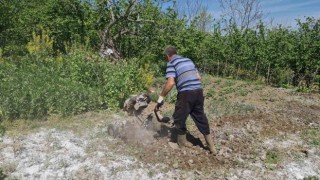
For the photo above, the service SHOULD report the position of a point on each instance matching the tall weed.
(32, 87)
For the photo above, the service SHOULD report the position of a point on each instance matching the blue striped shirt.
(185, 73)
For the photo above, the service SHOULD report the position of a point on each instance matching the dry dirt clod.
(175, 165)
(263, 156)
(173, 145)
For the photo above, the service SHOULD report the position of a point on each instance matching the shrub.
(34, 87)
(40, 43)
(2, 130)
(281, 77)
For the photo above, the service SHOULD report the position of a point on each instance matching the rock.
(197, 172)
(231, 137)
(175, 165)
(173, 145)
(263, 156)
(184, 152)
(223, 142)
(228, 150)
(310, 153)
(271, 166)
(234, 177)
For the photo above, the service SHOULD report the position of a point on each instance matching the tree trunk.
(108, 48)
(239, 68)
(268, 75)
(256, 68)
(218, 68)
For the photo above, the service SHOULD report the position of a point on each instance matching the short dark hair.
(170, 51)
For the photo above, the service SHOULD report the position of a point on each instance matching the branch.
(112, 14)
(141, 20)
(124, 15)
(122, 32)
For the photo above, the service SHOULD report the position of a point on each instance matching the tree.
(122, 17)
(195, 12)
(242, 13)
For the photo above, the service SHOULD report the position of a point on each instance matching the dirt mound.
(134, 134)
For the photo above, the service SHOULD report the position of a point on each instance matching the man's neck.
(172, 57)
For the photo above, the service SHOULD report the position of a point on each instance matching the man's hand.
(169, 84)
(160, 102)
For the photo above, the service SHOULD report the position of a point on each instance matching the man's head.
(170, 52)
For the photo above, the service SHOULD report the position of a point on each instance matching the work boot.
(182, 139)
(210, 144)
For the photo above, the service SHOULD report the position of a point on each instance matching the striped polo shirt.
(184, 72)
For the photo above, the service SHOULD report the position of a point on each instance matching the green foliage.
(229, 83)
(279, 55)
(69, 84)
(40, 44)
(272, 157)
(220, 106)
(312, 136)
(172, 96)
(281, 77)
(210, 92)
(243, 93)
(2, 130)
(2, 174)
(311, 178)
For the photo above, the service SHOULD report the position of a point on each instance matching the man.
(183, 73)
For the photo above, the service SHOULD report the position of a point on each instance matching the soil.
(268, 141)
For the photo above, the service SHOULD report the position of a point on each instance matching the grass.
(2, 130)
(223, 107)
(77, 124)
(2, 174)
(227, 90)
(242, 93)
(223, 87)
(7, 169)
(272, 157)
(312, 136)
(229, 83)
(311, 178)
(211, 92)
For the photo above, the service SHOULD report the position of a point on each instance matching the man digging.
(183, 73)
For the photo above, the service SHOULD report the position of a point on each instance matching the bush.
(78, 82)
(281, 77)
(2, 130)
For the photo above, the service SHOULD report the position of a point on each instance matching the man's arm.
(167, 88)
(199, 76)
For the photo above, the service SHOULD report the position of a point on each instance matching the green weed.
(227, 91)
(257, 88)
(210, 92)
(218, 82)
(272, 157)
(2, 174)
(312, 136)
(311, 178)
(33, 88)
(2, 130)
(222, 107)
(242, 93)
(229, 83)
